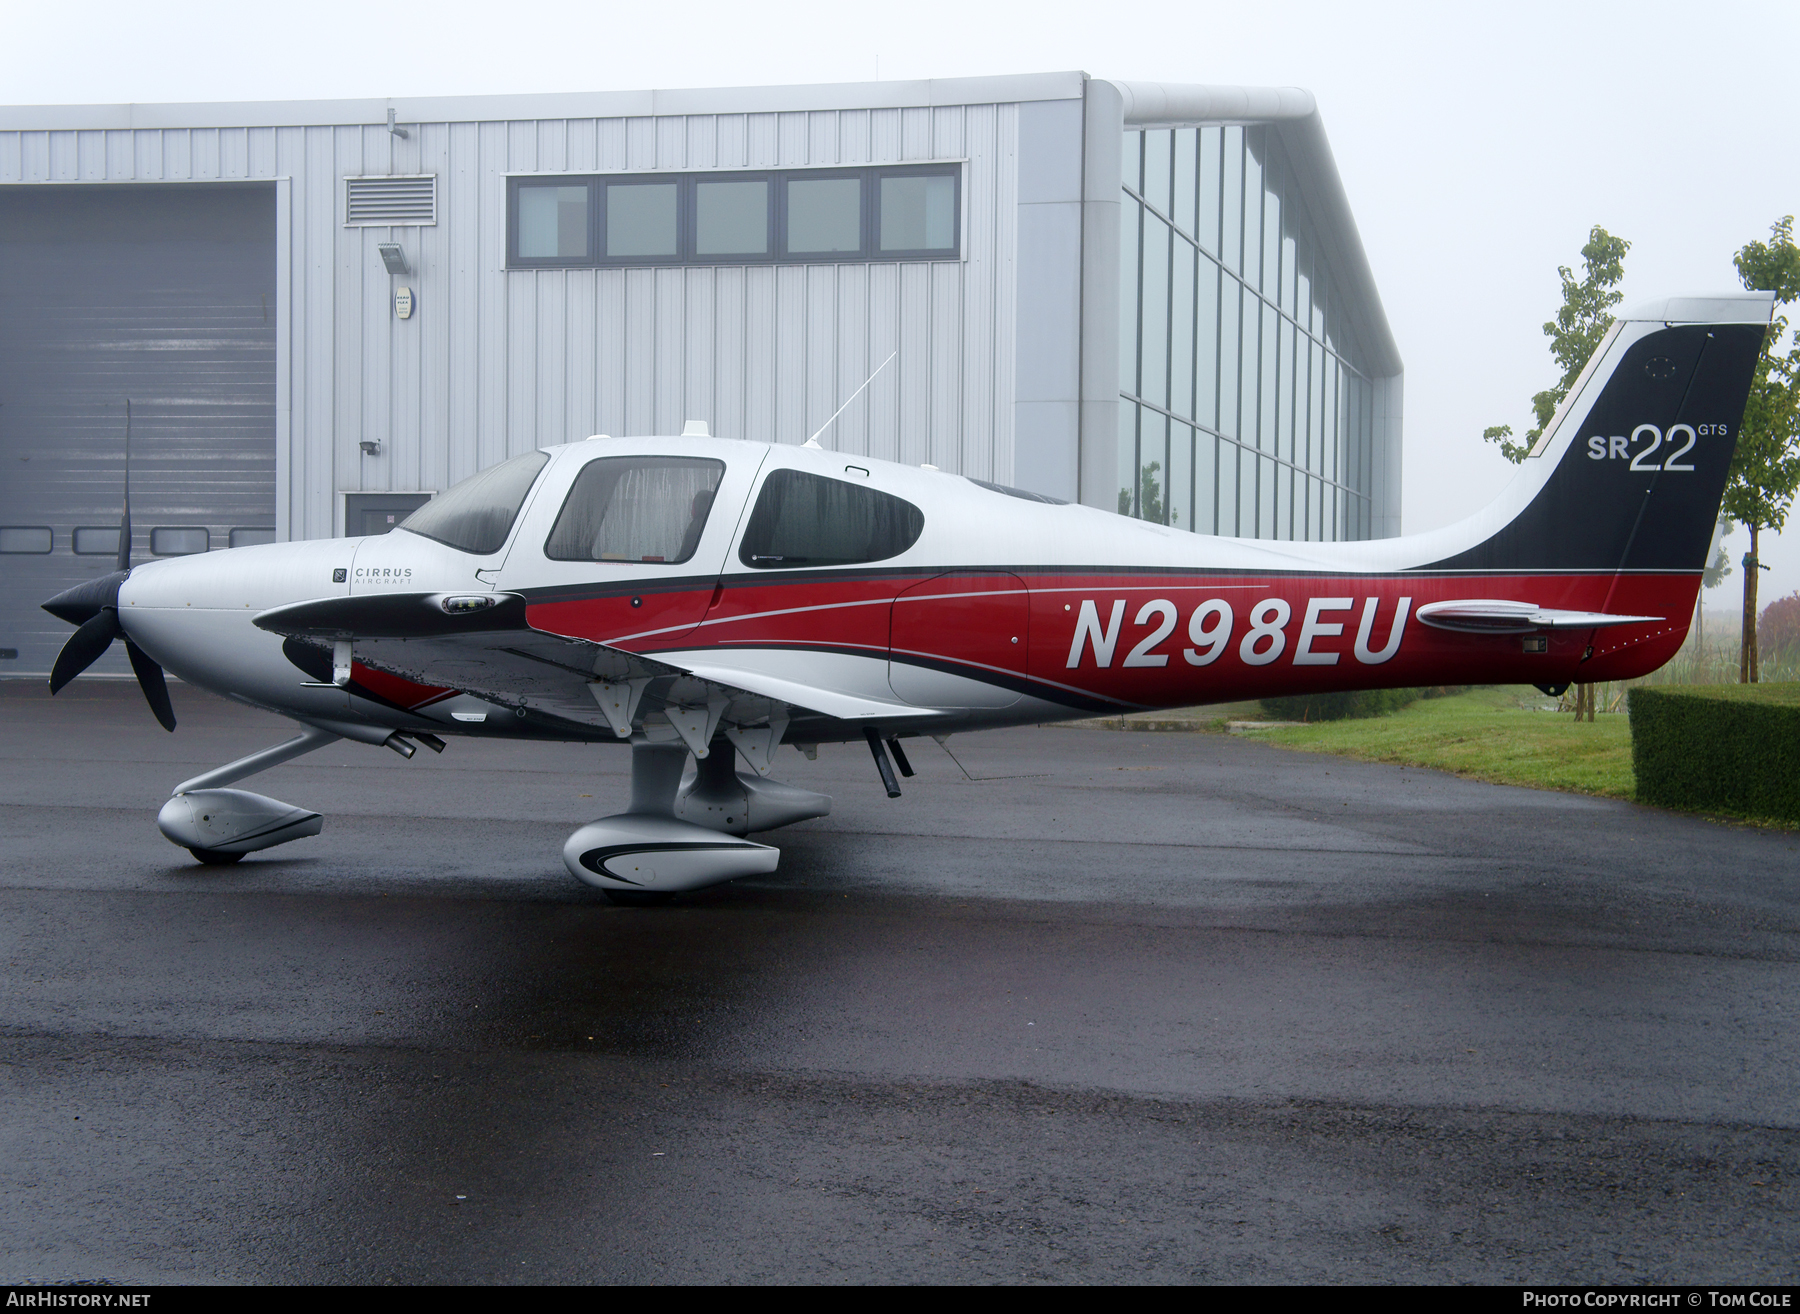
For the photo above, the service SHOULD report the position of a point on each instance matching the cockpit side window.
(636, 508)
(804, 520)
(477, 514)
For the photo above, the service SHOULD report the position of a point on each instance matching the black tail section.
(1639, 487)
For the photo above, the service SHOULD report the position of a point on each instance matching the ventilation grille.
(388, 201)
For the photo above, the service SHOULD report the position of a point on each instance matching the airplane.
(706, 598)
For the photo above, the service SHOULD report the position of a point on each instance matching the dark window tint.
(34, 539)
(803, 520)
(635, 508)
(251, 537)
(97, 541)
(477, 514)
(181, 541)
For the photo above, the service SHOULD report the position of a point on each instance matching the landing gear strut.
(676, 837)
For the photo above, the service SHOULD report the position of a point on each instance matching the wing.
(481, 644)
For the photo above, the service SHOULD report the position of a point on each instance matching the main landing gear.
(685, 835)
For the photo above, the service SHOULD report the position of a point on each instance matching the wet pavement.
(1081, 1007)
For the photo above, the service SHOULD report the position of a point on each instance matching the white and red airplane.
(717, 598)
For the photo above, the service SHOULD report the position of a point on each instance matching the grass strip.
(1500, 735)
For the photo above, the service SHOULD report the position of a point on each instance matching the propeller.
(94, 608)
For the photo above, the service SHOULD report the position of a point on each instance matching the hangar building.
(1145, 297)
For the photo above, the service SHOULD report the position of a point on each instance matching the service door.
(959, 640)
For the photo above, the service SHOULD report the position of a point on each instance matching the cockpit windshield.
(636, 508)
(477, 514)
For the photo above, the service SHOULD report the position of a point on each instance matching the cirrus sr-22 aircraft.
(706, 597)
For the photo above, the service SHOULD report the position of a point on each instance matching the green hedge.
(1724, 748)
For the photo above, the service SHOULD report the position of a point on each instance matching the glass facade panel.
(824, 214)
(1249, 363)
(1231, 204)
(1231, 341)
(553, 222)
(1246, 489)
(1181, 476)
(1187, 160)
(1130, 226)
(1206, 343)
(1128, 448)
(640, 220)
(1206, 482)
(1208, 217)
(1227, 319)
(1253, 208)
(1153, 347)
(1181, 329)
(1269, 395)
(1153, 467)
(731, 218)
(1157, 164)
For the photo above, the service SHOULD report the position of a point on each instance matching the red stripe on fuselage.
(854, 613)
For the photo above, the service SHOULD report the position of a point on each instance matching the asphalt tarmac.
(1119, 1008)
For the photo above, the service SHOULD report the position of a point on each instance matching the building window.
(809, 216)
(552, 222)
(33, 540)
(96, 541)
(251, 536)
(182, 541)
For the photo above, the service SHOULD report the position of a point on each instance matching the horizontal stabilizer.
(1499, 616)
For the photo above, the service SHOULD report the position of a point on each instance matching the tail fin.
(1630, 474)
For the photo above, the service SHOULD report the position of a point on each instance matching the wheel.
(638, 898)
(215, 858)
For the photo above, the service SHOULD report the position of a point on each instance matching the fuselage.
(1003, 609)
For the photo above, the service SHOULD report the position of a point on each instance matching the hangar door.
(162, 294)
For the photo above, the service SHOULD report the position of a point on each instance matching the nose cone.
(86, 601)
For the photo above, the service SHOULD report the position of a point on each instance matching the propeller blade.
(84, 647)
(125, 507)
(150, 680)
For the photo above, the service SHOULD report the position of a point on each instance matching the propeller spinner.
(94, 607)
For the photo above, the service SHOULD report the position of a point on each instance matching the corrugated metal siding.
(496, 362)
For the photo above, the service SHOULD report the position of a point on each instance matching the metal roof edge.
(916, 93)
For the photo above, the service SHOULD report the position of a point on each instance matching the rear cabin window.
(805, 520)
(477, 514)
(636, 508)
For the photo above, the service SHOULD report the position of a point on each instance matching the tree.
(1574, 333)
(1780, 623)
(1150, 496)
(1713, 576)
(1765, 467)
